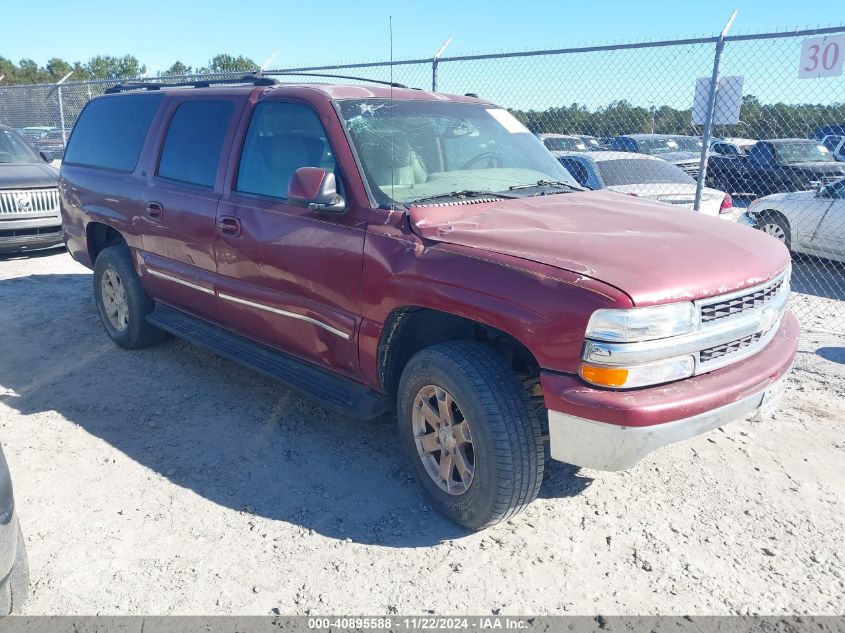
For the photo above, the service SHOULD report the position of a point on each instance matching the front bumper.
(30, 233)
(613, 430)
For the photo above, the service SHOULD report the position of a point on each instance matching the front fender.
(544, 308)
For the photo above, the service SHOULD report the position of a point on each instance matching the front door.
(180, 204)
(288, 276)
(830, 234)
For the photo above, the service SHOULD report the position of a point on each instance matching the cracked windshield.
(418, 151)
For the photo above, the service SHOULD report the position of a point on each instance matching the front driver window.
(282, 137)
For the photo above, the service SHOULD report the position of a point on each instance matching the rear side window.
(194, 141)
(111, 131)
(282, 137)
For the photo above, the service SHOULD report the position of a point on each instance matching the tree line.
(27, 71)
(757, 120)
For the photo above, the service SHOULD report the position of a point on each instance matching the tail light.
(727, 204)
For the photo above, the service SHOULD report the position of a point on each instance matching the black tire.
(776, 225)
(19, 576)
(137, 332)
(508, 449)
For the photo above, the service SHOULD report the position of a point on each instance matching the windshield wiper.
(548, 183)
(466, 193)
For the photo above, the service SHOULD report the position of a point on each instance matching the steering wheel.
(494, 158)
(9, 154)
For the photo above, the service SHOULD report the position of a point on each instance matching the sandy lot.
(168, 481)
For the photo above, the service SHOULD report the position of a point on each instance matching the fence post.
(435, 61)
(62, 116)
(711, 107)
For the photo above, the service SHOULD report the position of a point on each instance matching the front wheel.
(777, 226)
(121, 300)
(472, 438)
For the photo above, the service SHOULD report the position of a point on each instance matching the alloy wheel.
(115, 303)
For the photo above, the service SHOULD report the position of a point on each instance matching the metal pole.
(62, 116)
(435, 61)
(711, 107)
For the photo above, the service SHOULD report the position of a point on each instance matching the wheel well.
(411, 329)
(100, 236)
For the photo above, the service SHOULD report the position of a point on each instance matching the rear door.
(289, 276)
(180, 202)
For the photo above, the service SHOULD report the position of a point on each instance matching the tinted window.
(13, 149)
(578, 171)
(632, 171)
(111, 131)
(194, 139)
(282, 137)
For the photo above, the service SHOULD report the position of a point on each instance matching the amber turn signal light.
(607, 376)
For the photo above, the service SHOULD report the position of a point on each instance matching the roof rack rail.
(254, 79)
(367, 79)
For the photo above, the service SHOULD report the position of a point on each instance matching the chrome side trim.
(292, 315)
(177, 280)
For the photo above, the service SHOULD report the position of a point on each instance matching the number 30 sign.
(822, 56)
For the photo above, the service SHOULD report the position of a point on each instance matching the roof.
(781, 141)
(601, 156)
(556, 135)
(333, 91)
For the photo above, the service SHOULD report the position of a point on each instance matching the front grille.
(690, 168)
(28, 202)
(712, 353)
(43, 230)
(736, 305)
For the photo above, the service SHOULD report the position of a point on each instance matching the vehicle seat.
(281, 155)
(402, 166)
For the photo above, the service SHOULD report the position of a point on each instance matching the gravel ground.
(168, 481)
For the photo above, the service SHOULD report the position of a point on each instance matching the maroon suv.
(380, 248)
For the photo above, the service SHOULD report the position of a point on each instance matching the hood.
(680, 157)
(28, 176)
(651, 252)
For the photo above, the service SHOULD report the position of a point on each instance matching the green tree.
(225, 63)
(178, 68)
(108, 67)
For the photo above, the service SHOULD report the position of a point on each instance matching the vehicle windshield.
(14, 150)
(803, 153)
(564, 144)
(412, 149)
(632, 171)
(655, 146)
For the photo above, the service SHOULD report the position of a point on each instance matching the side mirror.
(47, 157)
(316, 189)
(823, 192)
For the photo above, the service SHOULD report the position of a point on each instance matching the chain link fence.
(634, 118)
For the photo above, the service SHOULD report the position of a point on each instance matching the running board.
(327, 389)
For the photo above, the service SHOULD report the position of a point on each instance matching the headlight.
(642, 324)
(638, 375)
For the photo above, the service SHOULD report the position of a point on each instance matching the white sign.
(822, 57)
(728, 100)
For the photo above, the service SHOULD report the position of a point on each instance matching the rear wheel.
(121, 300)
(473, 439)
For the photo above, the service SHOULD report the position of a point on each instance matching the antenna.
(392, 152)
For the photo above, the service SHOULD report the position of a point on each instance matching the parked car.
(836, 146)
(645, 177)
(774, 166)
(456, 272)
(52, 142)
(14, 565)
(36, 132)
(807, 222)
(683, 151)
(731, 146)
(593, 143)
(29, 196)
(563, 143)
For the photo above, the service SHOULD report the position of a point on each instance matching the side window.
(282, 137)
(577, 169)
(194, 140)
(830, 142)
(760, 153)
(111, 130)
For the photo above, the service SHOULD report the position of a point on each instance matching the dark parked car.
(14, 566)
(775, 166)
(828, 130)
(29, 196)
(383, 247)
(683, 151)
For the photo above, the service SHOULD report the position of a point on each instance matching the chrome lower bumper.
(603, 446)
